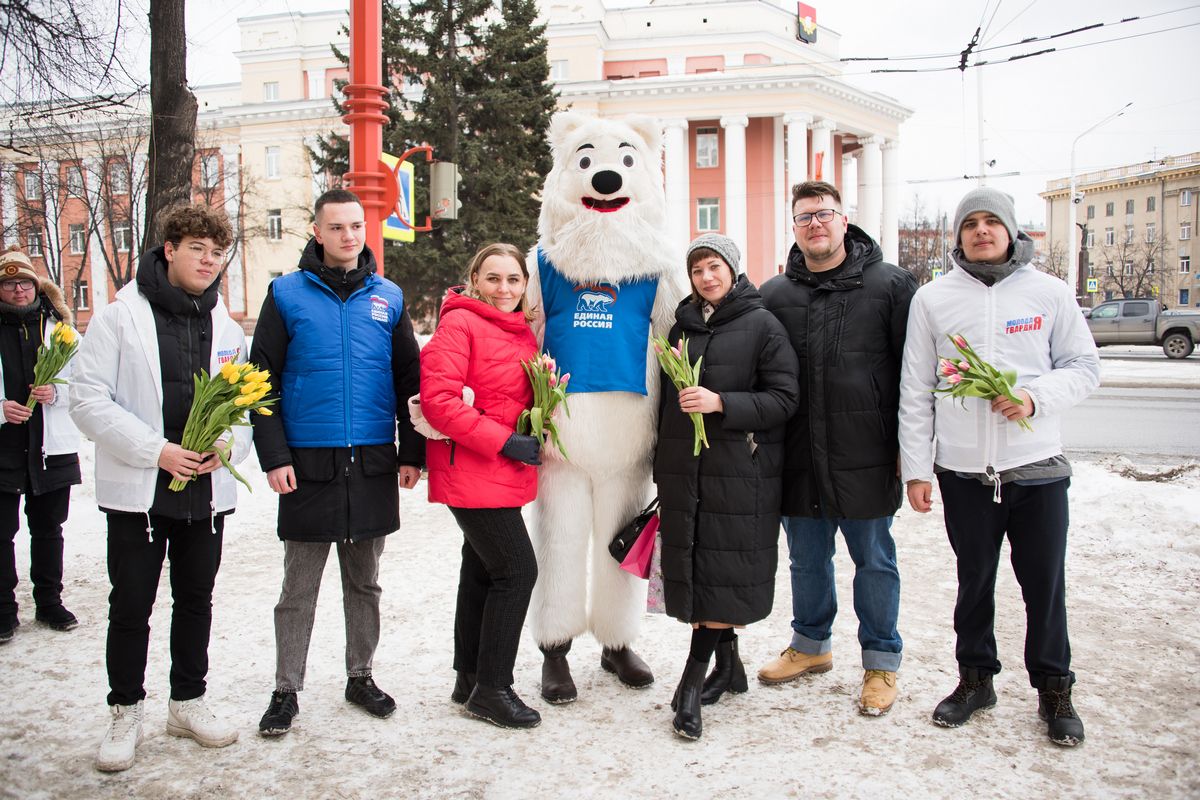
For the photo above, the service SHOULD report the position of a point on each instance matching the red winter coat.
(479, 346)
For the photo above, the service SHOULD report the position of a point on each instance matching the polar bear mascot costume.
(604, 278)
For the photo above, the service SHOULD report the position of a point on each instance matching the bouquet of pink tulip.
(52, 357)
(220, 402)
(974, 377)
(683, 373)
(549, 390)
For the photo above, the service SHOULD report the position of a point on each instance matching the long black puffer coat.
(848, 332)
(720, 511)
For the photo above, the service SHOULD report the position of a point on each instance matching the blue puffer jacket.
(332, 344)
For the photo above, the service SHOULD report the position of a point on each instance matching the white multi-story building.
(748, 110)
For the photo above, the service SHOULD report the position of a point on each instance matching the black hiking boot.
(1055, 707)
(973, 693)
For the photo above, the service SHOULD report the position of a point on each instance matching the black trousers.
(45, 514)
(137, 544)
(498, 571)
(1035, 520)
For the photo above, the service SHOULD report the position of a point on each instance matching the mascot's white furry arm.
(603, 275)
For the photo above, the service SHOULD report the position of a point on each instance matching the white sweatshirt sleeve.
(1075, 360)
(918, 377)
(94, 408)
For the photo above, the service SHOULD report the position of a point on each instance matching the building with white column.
(748, 110)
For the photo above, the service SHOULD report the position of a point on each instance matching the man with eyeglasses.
(846, 312)
(38, 458)
(132, 392)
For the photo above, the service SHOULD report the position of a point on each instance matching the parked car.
(1141, 320)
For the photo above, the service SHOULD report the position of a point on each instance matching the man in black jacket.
(38, 457)
(846, 312)
(339, 344)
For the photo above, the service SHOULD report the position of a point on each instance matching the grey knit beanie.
(992, 201)
(721, 245)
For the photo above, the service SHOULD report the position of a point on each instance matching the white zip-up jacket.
(59, 435)
(117, 401)
(1027, 322)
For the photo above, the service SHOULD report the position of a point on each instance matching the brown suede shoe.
(627, 666)
(878, 692)
(791, 664)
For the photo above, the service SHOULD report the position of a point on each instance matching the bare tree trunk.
(172, 117)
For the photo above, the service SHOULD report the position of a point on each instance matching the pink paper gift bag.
(642, 552)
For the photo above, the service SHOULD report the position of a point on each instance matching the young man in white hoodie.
(131, 393)
(996, 478)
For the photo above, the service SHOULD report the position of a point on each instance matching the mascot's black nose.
(606, 182)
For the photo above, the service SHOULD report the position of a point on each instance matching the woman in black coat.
(720, 510)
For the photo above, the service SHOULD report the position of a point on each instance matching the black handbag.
(620, 545)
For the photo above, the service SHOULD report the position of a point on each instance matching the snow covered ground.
(1132, 593)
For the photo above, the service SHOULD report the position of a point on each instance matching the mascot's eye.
(585, 162)
(627, 161)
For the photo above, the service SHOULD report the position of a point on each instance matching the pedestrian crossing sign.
(1093, 285)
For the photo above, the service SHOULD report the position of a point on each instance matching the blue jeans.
(876, 586)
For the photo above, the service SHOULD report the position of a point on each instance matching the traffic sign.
(394, 229)
(1093, 285)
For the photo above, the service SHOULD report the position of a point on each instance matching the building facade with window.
(1137, 229)
(748, 111)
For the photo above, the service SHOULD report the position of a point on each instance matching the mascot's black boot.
(729, 674)
(557, 685)
(687, 722)
(627, 666)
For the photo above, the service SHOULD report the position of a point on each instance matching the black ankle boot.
(463, 685)
(557, 684)
(728, 675)
(973, 693)
(687, 722)
(501, 707)
(1056, 708)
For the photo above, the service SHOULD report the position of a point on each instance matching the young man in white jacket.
(995, 477)
(131, 394)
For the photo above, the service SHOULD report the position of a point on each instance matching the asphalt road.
(1147, 424)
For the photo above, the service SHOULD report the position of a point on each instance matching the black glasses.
(823, 216)
(12, 286)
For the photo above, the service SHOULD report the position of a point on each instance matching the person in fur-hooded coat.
(604, 279)
(38, 445)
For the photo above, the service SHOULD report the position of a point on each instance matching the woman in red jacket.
(485, 472)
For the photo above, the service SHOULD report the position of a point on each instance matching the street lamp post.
(1073, 200)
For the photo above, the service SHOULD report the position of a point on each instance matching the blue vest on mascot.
(337, 381)
(598, 332)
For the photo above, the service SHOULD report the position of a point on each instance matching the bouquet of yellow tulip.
(971, 376)
(52, 357)
(683, 373)
(220, 402)
(549, 389)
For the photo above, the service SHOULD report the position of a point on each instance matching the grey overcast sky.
(1033, 108)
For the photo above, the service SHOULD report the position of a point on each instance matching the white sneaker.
(123, 736)
(193, 720)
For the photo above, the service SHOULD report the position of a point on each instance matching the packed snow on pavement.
(1133, 561)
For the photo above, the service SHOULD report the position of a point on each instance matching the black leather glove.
(522, 448)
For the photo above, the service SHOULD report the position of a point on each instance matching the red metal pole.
(367, 178)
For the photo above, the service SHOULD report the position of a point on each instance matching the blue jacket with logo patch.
(331, 344)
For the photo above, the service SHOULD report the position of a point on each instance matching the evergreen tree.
(485, 104)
